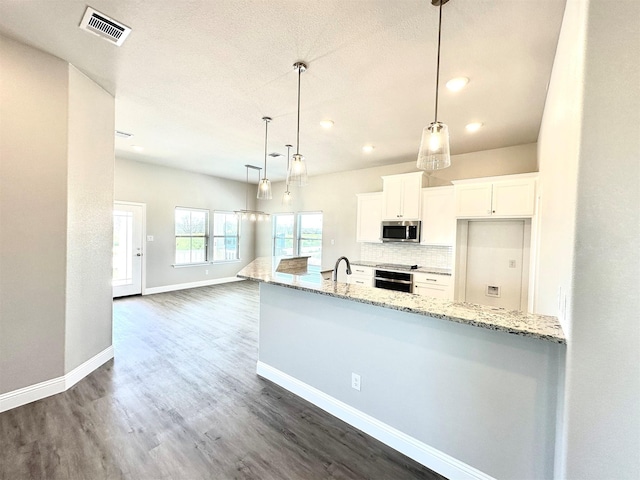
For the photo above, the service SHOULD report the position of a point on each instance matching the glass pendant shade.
(264, 189)
(297, 174)
(434, 148)
(286, 198)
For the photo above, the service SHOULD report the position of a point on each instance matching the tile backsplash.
(407, 254)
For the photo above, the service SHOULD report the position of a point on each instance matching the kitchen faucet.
(335, 269)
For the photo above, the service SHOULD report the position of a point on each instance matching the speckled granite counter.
(434, 270)
(518, 323)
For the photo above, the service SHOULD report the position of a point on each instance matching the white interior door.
(127, 249)
(494, 263)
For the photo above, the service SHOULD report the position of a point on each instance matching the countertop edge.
(465, 321)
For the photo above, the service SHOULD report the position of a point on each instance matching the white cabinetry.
(508, 196)
(401, 196)
(361, 276)
(432, 285)
(369, 217)
(438, 216)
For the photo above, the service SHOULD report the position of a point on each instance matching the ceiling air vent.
(101, 25)
(121, 134)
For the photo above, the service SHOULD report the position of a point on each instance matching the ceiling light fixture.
(457, 84)
(326, 124)
(473, 127)
(434, 145)
(297, 174)
(368, 148)
(264, 187)
(286, 196)
(247, 214)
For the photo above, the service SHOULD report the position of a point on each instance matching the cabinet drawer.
(366, 280)
(431, 279)
(358, 270)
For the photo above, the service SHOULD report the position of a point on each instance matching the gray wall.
(334, 194)
(486, 398)
(162, 189)
(602, 418)
(590, 158)
(56, 179)
(33, 215)
(89, 220)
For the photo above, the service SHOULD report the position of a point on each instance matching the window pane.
(310, 237)
(199, 223)
(183, 222)
(283, 236)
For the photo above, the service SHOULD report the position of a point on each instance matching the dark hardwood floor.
(182, 400)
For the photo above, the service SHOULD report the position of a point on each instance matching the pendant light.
(247, 214)
(434, 146)
(264, 187)
(297, 174)
(286, 196)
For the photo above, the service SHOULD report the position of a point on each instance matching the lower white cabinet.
(432, 285)
(361, 276)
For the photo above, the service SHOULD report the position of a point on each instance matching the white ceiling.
(195, 77)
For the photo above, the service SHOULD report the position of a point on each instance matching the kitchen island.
(467, 390)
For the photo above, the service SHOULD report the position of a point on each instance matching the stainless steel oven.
(398, 281)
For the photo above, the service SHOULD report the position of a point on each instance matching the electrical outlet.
(355, 381)
(512, 264)
(149, 238)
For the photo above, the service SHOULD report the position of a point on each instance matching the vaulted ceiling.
(194, 78)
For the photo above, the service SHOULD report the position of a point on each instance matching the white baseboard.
(184, 286)
(428, 456)
(45, 389)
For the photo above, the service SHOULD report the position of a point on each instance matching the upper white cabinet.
(438, 216)
(508, 196)
(401, 196)
(369, 217)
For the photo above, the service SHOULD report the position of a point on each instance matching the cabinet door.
(473, 200)
(514, 198)
(411, 189)
(369, 217)
(438, 216)
(392, 197)
(436, 291)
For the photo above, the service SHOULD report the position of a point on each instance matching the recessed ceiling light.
(473, 127)
(326, 123)
(368, 148)
(457, 84)
(137, 148)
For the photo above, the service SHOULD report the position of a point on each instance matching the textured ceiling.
(194, 78)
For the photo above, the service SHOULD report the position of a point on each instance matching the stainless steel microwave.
(401, 231)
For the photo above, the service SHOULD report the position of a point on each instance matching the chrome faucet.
(335, 269)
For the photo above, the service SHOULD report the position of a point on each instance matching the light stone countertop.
(434, 270)
(542, 327)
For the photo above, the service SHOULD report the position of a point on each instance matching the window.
(192, 235)
(310, 237)
(226, 237)
(283, 238)
(298, 234)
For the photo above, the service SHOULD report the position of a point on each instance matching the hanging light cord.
(438, 61)
(266, 126)
(288, 156)
(246, 191)
(298, 131)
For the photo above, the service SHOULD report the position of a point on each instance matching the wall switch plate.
(149, 238)
(355, 381)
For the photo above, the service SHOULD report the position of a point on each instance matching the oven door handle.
(393, 280)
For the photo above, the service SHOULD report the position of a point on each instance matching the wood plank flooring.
(182, 400)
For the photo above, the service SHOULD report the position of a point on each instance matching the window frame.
(297, 233)
(205, 237)
(214, 236)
